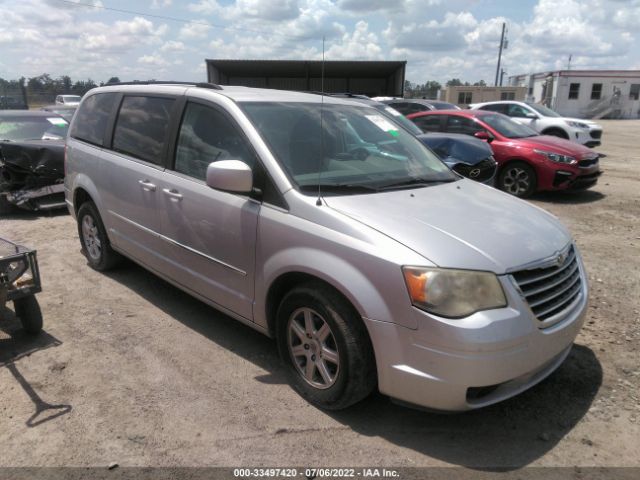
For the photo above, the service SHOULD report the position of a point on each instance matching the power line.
(175, 19)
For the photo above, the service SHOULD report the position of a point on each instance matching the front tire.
(325, 347)
(93, 239)
(28, 311)
(556, 132)
(518, 179)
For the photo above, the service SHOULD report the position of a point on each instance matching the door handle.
(173, 193)
(147, 186)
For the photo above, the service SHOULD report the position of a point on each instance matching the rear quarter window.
(142, 127)
(92, 118)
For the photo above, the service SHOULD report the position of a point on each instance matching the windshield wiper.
(415, 182)
(339, 187)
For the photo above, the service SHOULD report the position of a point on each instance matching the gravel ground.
(131, 370)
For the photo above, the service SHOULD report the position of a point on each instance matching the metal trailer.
(19, 283)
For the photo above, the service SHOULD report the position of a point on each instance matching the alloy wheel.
(313, 349)
(91, 237)
(516, 181)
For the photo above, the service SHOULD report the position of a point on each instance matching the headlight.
(578, 125)
(453, 293)
(556, 157)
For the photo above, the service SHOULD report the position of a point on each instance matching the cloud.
(370, 5)
(157, 4)
(155, 59)
(439, 39)
(172, 46)
(272, 10)
(194, 31)
(447, 35)
(361, 44)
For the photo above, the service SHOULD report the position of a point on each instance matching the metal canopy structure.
(372, 78)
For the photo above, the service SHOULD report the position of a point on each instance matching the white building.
(585, 93)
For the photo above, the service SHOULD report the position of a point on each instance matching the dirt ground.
(133, 371)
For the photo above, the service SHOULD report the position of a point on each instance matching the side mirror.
(230, 176)
(532, 116)
(484, 135)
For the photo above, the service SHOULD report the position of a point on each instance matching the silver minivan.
(325, 225)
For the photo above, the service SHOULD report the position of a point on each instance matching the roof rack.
(339, 95)
(211, 86)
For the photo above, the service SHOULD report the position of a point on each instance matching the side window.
(428, 123)
(142, 127)
(467, 126)
(207, 135)
(402, 107)
(92, 118)
(517, 111)
(495, 107)
(596, 91)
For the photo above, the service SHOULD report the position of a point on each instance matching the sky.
(439, 39)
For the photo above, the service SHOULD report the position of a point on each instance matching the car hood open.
(458, 147)
(460, 225)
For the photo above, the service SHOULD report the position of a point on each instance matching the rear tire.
(325, 346)
(29, 313)
(518, 179)
(93, 239)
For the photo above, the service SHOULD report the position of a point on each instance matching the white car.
(68, 100)
(546, 121)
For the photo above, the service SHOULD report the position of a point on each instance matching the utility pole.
(502, 72)
(500, 54)
(569, 63)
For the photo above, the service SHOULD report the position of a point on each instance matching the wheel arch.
(80, 196)
(513, 160)
(555, 128)
(284, 284)
(294, 266)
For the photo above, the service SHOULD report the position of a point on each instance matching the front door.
(211, 234)
(519, 114)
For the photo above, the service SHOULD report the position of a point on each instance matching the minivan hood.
(460, 225)
(558, 145)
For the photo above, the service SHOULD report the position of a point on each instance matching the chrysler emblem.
(560, 259)
(474, 173)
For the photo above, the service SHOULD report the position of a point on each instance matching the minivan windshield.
(544, 111)
(345, 149)
(507, 127)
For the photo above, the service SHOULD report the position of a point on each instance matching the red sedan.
(527, 162)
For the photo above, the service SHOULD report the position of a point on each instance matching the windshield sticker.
(393, 111)
(383, 124)
(59, 122)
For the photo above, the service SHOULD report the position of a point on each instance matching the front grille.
(484, 170)
(596, 134)
(588, 162)
(550, 290)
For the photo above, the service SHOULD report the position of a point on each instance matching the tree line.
(45, 84)
(431, 88)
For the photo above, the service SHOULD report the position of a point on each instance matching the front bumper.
(589, 138)
(457, 365)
